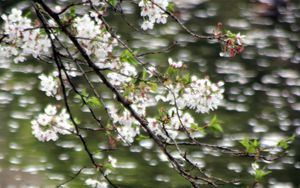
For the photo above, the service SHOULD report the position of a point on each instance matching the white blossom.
(127, 127)
(124, 75)
(153, 12)
(202, 95)
(94, 38)
(147, 24)
(49, 84)
(50, 110)
(22, 38)
(174, 64)
(62, 123)
(48, 125)
(43, 133)
(170, 130)
(112, 161)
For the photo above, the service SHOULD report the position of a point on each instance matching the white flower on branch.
(169, 131)
(202, 95)
(175, 64)
(49, 84)
(112, 161)
(153, 12)
(93, 37)
(125, 75)
(22, 38)
(48, 125)
(128, 127)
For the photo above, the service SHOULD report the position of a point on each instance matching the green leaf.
(77, 121)
(141, 137)
(196, 127)
(171, 7)
(260, 174)
(145, 74)
(126, 56)
(284, 143)
(72, 12)
(28, 14)
(250, 146)
(108, 166)
(153, 86)
(215, 125)
(172, 71)
(187, 79)
(94, 102)
(84, 93)
(113, 2)
(229, 34)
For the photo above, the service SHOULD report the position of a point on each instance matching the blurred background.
(262, 98)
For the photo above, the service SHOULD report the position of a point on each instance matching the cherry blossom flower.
(153, 12)
(22, 38)
(200, 95)
(147, 24)
(94, 38)
(127, 128)
(112, 161)
(203, 95)
(48, 125)
(49, 84)
(125, 75)
(174, 64)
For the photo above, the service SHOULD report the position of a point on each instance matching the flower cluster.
(21, 38)
(200, 95)
(170, 125)
(203, 95)
(176, 65)
(49, 84)
(153, 12)
(94, 38)
(48, 125)
(125, 73)
(232, 42)
(128, 127)
(233, 45)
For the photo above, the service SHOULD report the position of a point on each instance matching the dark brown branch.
(71, 179)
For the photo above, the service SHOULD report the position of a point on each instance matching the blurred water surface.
(262, 100)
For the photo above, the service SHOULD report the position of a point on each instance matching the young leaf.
(113, 2)
(72, 12)
(145, 74)
(94, 102)
(250, 146)
(284, 143)
(187, 79)
(141, 137)
(260, 174)
(196, 127)
(126, 56)
(153, 86)
(215, 124)
(171, 7)
(172, 71)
